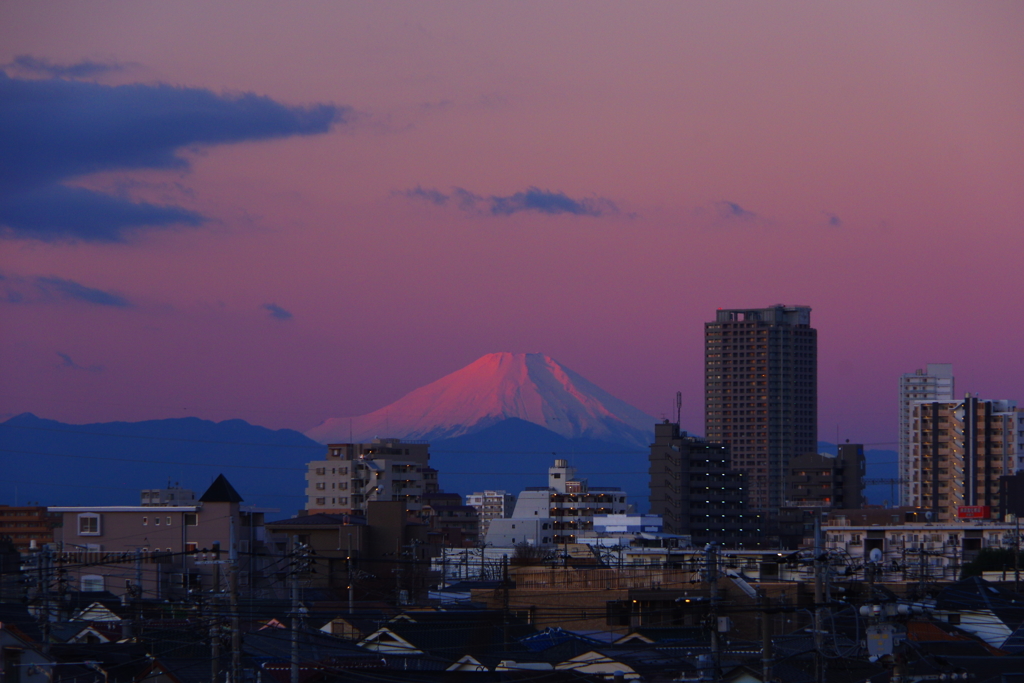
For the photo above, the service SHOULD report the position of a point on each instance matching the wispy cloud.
(54, 130)
(530, 199)
(732, 210)
(67, 362)
(83, 69)
(277, 312)
(40, 289)
(69, 289)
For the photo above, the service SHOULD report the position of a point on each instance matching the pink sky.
(902, 122)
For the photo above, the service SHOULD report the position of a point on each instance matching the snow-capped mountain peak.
(528, 386)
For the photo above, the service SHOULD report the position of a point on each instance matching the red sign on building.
(974, 512)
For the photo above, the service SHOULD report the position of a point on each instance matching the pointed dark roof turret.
(221, 491)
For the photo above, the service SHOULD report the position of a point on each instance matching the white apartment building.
(354, 474)
(491, 505)
(930, 551)
(567, 505)
(935, 383)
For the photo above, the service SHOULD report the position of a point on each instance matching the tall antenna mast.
(679, 406)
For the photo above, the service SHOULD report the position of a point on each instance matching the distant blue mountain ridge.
(54, 463)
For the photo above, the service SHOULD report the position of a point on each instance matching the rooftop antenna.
(679, 407)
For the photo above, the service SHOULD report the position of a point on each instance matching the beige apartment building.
(354, 474)
(958, 451)
(160, 549)
(935, 382)
(491, 505)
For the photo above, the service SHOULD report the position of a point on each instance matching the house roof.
(221, 491)
(451, 635)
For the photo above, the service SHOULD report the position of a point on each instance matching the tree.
(526, 555)
(989, 560)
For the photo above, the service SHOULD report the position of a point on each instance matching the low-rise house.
(161, 550)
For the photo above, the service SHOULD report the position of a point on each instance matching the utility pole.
(766, 639)
(295, 609)
(351, 588)
(819, 669)
(1016, 555)
(922, 568)
(236, 635)
(711, 566)
(44, 577)
(214, 645)
(504, 598)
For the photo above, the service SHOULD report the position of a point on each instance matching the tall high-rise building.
(761, 393)
(932, 384)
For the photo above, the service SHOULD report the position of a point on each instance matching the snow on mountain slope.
(498, 386)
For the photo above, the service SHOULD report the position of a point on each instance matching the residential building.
(696, 491)
(171, 496)
(451, 523)
(959, 451)
(491, 505)
(761, 393)
(567, 506)
(918, 551)
(344, 547)
(820, 481)
(27, 526)
(354, 474)
(161, 551)
(934, 383)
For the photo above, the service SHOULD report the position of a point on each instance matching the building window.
(145, 521)
(89, 524)
(343, 500)
(156, 521)
(191, 519)
(321, 501)
(191, 547)
(168, 521)
(92, 583)
(320, 486)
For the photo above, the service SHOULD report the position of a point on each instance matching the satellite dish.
(875, 555)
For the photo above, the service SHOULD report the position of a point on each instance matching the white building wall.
(932, 384)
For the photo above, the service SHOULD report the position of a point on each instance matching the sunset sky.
(284, 212)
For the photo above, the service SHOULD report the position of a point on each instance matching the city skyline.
(375, 199)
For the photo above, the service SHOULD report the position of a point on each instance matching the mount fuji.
(530, 387)
(500, 422)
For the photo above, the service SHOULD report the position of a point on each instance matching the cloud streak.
(41, 289)
(67, 362)
(277, 312)
(531, 199)
(732, 211)
(55, 130)
(83, 69)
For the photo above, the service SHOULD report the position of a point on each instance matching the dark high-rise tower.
(761, 393)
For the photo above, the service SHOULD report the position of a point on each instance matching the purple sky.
(301, 211)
